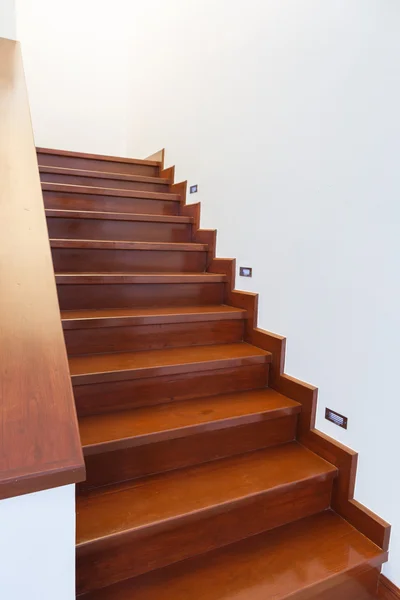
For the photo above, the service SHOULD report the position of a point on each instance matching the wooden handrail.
(39, 438)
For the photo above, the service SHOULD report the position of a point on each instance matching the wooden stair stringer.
(345, 459)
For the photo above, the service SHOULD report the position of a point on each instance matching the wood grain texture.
(318, 558)
(40, 446)
(135, 338)
(95, 162)
(121, 395)
(96, 257)
(105, 180)
(387, 590)
(98, 191)
(86, 225)
(158, 423)
(114, 291)
(59, 200)
(153, 501)
(130, 527)
(120, 366)
(113, 317)
(195, 446)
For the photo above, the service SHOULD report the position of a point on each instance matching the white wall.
(75, 61)
(7, 19)
(37, 546)
(287, 115)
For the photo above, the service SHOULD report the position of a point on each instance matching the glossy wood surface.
(116, 216)
(184, 447)
(160, 498)
(120, 557)
(152, 337)
(77, 319)
(170, 361)
(98, 258)
(109, 203)
(299, 560)
(86, 225)
(76, 292)
(103, 179)
(122, 395)
(108, 193)
(174, 420)
(40, 445)
(95, 162)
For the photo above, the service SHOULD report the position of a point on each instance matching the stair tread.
(102, 174)
(178, 418)
(105, 157)
(157, 499)
(142, 316)
(116, 216)
(100, 191)
(128, 245)
(290, 559)
(111, 278)
(167, 357)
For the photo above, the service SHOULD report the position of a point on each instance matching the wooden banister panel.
(39, 440)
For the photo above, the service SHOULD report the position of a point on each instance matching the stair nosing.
(84, 244)
(116, 216)
(211, 509)
(83, 190)
(128, 374)
(215, 509)
(109, 175)
(188, 430)
(196, 563)
(135, 278)
(156, 319)
(104, 157)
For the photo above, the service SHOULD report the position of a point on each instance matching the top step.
(49, 157)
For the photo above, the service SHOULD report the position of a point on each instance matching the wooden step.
(150, 329)
(131, 290)
(92, 225)
(103, 179)
(321, 557)
(132, 528)
(129, 444)
(171, 361)
(114, 317)
(86, 198)
(99, 398)
(119, 256)
(96, 162)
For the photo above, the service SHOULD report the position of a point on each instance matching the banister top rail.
(39, 438)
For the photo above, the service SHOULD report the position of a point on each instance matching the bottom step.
(321, 557)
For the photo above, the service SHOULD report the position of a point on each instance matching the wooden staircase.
(205, 477)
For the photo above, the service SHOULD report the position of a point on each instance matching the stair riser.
(89, 164)
(93, 229)
(152, 337)
(87, 260)
(130, 463)
(140, 206)
(103, 183)
(100, 398)
(120, 557)
(75, 296)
